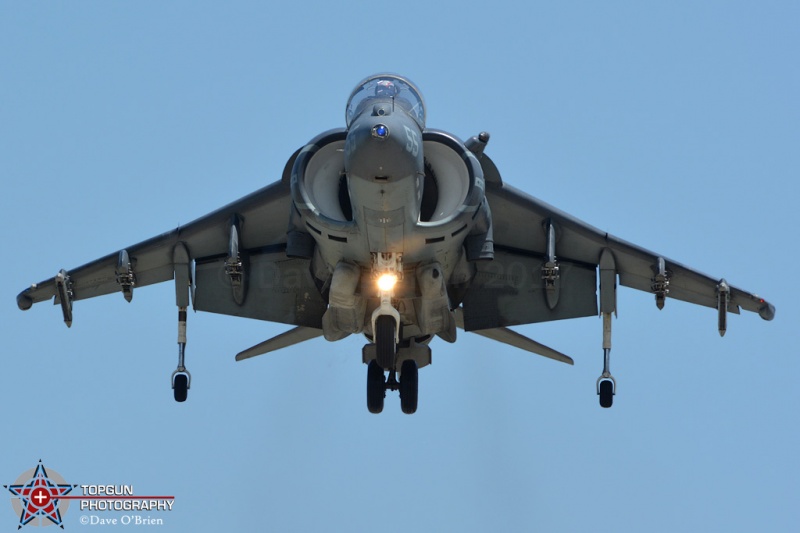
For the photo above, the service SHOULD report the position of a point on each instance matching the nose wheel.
(385, 346)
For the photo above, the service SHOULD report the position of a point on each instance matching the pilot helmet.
(385, 88)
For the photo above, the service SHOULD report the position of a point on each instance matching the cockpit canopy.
(387, 88)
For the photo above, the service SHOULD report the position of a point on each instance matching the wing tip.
(24, 302)
(766, 311)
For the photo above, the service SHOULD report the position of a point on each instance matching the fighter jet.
(399, 232)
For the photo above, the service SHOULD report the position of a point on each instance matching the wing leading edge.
(521, 234)
(258, 237)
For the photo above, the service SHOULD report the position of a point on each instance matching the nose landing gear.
(385, 344)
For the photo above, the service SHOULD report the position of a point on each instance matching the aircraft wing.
(280, 288)
(510, 289)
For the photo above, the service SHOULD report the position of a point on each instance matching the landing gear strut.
(606, 384)
(383, 354)
(181, 378)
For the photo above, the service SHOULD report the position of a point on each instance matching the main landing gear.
(377, 385)
(386, 359)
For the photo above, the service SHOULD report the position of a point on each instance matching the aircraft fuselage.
(387, 196)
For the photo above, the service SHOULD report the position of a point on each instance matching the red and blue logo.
(39, 495)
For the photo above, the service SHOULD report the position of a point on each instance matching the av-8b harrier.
(402, 233)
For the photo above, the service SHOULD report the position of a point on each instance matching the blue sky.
(673, 126)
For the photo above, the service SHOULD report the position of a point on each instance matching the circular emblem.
(380, 131)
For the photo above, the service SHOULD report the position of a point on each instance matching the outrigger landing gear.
(181, 378)
(606, 384)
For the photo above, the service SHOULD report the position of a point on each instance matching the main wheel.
(180, 387)
(606, 393)
(376, 389)
(409, 386)
(384, 341)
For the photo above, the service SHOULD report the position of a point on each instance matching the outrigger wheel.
(606, 392)
(180, 387)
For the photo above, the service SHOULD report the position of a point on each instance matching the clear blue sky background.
(673, 125)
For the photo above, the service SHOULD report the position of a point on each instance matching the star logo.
(38, 496)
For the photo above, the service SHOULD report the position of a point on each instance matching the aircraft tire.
(384, 341)
(181, 387)
(606, 394)
(376, 389)
(409, 386)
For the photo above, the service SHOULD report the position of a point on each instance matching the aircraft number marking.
(412, 143)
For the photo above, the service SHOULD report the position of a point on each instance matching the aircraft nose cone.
(383, 146)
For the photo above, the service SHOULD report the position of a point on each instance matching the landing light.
(386, 282)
